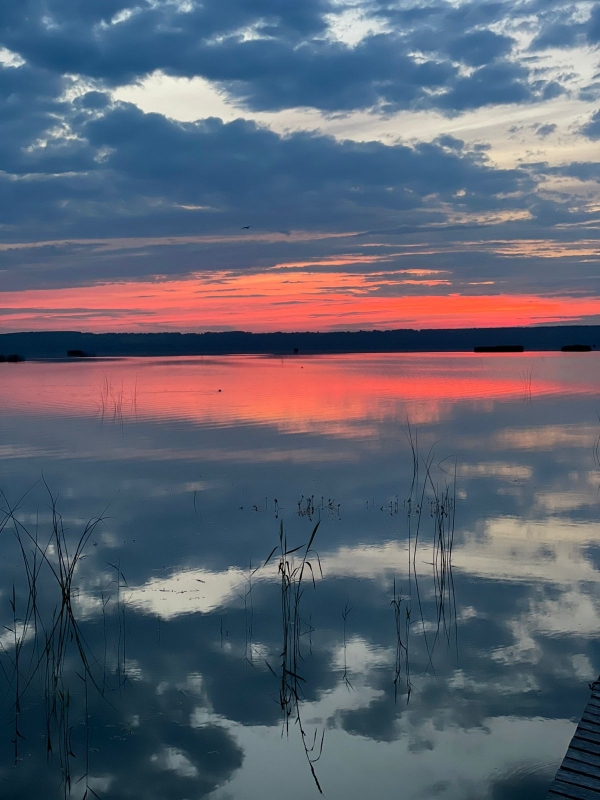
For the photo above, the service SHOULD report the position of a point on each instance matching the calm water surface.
(443, 649)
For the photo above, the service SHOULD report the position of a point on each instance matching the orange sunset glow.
(284, 300)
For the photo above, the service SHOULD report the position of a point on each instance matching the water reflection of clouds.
(556, 502)
(452, 763)
(192, 484)
(547, 437)
(548, 550)
(575, 613)
(495, 469)
(188, 592)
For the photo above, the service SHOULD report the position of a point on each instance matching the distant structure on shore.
(576, 348)
(54, 344)
(13, 358)
(78, 354)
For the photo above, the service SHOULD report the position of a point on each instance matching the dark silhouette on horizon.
(55, 344)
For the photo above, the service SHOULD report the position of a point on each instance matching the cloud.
(480, 47)
(593, 25)
(559, 35)
(500, 83)
(545, 130)
(562, 26)
(271, 55)
(591, 129)
(542, 130)
(442, 15)
(591, 92)
(475, 47)
(77, 166)
(30, 113)
(121, 169)
(149, 147)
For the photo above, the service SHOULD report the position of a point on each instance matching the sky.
(324, 165)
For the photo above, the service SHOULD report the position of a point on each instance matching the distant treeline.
(11, 358)
(55, 344)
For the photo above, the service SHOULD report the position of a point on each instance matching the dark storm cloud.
(288, 61)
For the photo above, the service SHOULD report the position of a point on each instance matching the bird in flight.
(245, 228)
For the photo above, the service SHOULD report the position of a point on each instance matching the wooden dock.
(578, 777)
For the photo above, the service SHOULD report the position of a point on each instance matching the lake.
(368, 575)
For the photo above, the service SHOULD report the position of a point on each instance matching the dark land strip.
(56, 344)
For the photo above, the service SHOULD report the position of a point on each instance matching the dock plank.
(578, 777)
(582, 742)
(588, 735)
(564, 790)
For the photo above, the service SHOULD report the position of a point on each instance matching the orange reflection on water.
(348, 395)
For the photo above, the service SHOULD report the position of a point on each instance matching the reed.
(293, 576)
(435, 498)
(345, 613)
(402, 639)
(115, 402)
(59, 653)
(527, 380)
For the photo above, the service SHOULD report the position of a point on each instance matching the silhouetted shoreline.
(55, 344)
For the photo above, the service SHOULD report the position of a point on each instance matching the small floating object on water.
(576, 348)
